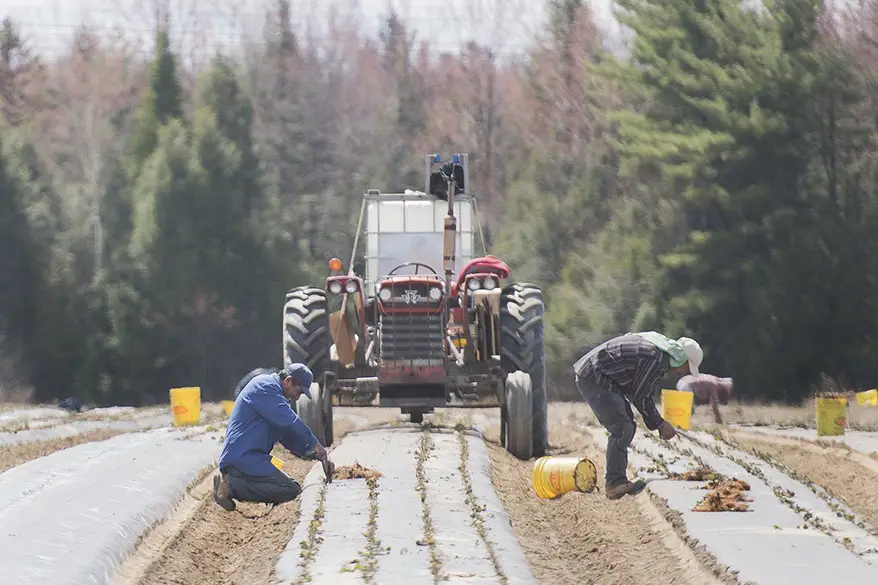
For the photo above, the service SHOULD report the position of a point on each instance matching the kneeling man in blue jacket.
(261, 417)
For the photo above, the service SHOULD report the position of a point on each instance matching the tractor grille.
(412, 336)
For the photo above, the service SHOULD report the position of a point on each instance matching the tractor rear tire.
(520, 404)
(313, 413)
(306, 330)
(523, 347)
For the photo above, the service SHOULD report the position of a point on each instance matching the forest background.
(715, 178)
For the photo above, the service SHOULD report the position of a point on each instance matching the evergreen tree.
(20, 266)
(233, 110)
(162, 103)
(730, 132)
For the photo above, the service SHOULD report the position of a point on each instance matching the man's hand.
(667, 431)
(328, 469)
(328, 466)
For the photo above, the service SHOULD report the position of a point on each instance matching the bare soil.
(586, 538)
(846, 475)
(205, 545)
(13, 455)
(579, 538)
(230, 548)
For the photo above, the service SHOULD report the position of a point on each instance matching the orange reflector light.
(335, 264)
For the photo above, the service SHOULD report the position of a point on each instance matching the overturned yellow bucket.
(186, 405)
(677, 408)
(554, 476)
(831, 416)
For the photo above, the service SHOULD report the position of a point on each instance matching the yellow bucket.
(277, 463)
(227, 405)
(186, 405)
(831, 416)
(677, 408)
(554, 476)
(867, 398)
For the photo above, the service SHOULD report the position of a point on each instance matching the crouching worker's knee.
(283, 489)
(277, 488)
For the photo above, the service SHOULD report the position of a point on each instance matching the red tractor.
(397, 333)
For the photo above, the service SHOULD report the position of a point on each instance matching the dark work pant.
(276, 488)
(614, 413)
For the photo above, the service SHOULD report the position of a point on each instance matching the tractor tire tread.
(522, 347)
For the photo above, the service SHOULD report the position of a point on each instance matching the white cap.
(693, 352)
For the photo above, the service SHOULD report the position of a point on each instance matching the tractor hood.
(397, 293)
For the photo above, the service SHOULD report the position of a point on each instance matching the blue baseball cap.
(301, 374)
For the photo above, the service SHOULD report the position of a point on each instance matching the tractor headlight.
(435, 293)
(384, 294)
(335, 287)
(474, 284)
(351, 286)
(490, 283)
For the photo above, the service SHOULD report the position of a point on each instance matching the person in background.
(623, 371)
(261, 417)
(708, 389)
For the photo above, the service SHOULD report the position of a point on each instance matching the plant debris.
(355, 471)
(726, 495)
(703, 473)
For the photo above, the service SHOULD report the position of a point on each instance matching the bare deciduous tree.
(77, 130)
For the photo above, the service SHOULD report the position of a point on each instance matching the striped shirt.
(631, 367)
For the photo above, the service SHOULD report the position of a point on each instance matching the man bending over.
(623, 371)
(707, 389)
(261, 417)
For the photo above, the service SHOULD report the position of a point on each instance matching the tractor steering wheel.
(415, 264)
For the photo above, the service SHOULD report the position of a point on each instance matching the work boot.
(221, 492)
(619, 490)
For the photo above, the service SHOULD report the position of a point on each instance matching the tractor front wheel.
(316, 413)
(519, 404)
(522, 347)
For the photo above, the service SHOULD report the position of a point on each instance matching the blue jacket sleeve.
(299, 440)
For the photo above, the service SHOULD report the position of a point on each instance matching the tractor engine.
(411, 320)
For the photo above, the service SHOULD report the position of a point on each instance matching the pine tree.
(19, 263)
(728, 127)
(162, 103)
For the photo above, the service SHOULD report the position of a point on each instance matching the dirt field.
(577, 538)
(585, 537)
(215, 547)
(780, 415)
(205, 545)
(846, 475)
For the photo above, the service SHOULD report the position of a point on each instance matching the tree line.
(714, 179)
